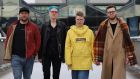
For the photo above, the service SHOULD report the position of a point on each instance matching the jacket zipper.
(59, 46)
(59, 50)
(26, 41)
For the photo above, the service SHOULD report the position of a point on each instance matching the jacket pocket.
(81, 50)
(59, 50)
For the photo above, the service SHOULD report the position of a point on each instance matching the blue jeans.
(80, 74)
(22, 65)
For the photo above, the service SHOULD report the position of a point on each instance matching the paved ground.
(65, 73)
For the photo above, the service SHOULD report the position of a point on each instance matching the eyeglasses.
(111, 12)
(53, 11)
(79, 19)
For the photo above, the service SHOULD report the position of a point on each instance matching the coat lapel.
(58, 29)
(118, 29)
(110, 30)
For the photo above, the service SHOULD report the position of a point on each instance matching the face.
(79, 20)
(111, 13)
(53, 13)
(24, 16)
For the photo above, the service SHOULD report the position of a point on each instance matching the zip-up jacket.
(32, 40)
(45, 35)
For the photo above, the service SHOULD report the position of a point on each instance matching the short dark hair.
(80, 13)
(110, 6)
(24, 9)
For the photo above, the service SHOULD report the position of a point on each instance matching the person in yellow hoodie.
(79, 48)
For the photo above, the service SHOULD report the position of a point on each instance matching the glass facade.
(49, 1)
(108, 1)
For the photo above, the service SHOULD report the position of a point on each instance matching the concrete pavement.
(66, 74)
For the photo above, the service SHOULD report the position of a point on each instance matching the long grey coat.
(114, 55)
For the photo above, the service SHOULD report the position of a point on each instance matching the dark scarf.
(100, 42)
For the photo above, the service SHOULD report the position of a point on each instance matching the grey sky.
(30, 1)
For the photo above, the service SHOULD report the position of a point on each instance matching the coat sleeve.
(63, 41)
(7, 35)
(37, 39)
(41, 47)
(68, 50)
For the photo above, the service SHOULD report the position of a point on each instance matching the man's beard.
(113, 18)
(24, 20)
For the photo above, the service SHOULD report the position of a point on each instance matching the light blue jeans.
(22, 66)
(80, 74)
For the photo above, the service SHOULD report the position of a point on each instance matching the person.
(2, 34)
(113, 46)
(79, 48)
(53, 35)
(22, 44)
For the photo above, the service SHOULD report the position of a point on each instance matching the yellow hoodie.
(79, 48)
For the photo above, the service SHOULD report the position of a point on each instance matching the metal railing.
(2, 39)
(94, 7)
(130, 4)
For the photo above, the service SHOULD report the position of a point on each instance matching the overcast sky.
(30, 1)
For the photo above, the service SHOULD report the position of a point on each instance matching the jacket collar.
(57, 24)
(17, 21)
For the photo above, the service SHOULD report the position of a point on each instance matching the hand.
(127, 61)
(6, 61)
(62, 60)
(131, 59)
(69, 65)
(40, 60)
(97, 63)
